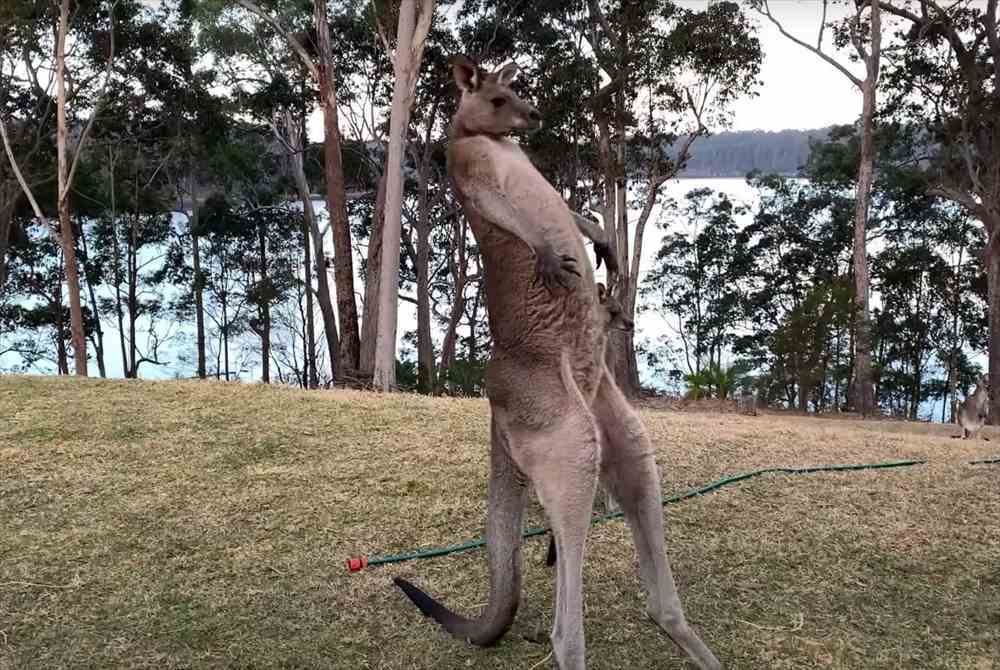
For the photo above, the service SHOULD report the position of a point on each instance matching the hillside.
(206, 525)
(734, 154)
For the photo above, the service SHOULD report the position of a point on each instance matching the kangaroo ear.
(507, 74)
(602, 293)
(465, 72)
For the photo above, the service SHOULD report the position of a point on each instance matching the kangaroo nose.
(534, 115)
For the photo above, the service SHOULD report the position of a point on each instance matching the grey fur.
(974, 411)
(746, 402)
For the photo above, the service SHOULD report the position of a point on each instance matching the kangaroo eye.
(498, 102)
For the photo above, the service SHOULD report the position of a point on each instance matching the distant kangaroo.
(974, 411)
(557, 416)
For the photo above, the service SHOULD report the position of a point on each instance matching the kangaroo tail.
(507, 496)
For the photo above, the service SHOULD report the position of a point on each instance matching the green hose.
(358, 564)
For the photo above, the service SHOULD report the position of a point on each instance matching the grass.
(204, 525)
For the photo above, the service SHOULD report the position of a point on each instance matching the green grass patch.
(206, 525)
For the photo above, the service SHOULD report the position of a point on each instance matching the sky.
(799, 90)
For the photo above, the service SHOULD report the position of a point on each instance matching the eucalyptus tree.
(92, 28)
(862, 32)
(945, 79)
(791, 261)
(305, 35)
(694, 281)
(34, 313)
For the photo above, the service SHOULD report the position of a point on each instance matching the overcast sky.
(799, 90)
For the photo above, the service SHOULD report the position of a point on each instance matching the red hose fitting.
(357, 564)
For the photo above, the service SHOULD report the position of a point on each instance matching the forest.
(249, 190)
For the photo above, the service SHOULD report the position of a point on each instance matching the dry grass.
(200, 525)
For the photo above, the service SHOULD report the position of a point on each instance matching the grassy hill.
(206, 525)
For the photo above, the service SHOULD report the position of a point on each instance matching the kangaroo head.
(488, 106)
(614, 313)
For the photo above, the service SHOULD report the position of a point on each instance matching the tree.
(66, 171)
(27, 114)
(413, 25)
(673, 74)
(37, 319)
(854, 31)
(692, 279)
(945, 80)
(791, 264)
(278, 95)
(321, 68)
(913, 282)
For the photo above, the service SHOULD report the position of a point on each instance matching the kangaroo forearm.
(496, 208)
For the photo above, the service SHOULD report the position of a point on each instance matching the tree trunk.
(198, 284)
(406, 63)
(225, 330)
(62, 356)
(336, 204)
(133, 306)
(116, 264)
(951, 401)
(425, 346)
(993, 310)
(460, 275)
(309, 375)
(98, 330)
(65, 225)
(76, 330)
(864, 387)
(6, 227)
(265, 310)
(626, 368)
(323, 294)
(199, 305)
(119, 308)
(369, 321)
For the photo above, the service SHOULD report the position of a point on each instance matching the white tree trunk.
(410, 36)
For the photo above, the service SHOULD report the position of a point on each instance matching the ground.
(206, 525)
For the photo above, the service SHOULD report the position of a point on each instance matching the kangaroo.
(557, 417)
(612, 318)
(974, 410)
(746, 402)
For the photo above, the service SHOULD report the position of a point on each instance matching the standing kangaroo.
(557, 416)
(974, 410)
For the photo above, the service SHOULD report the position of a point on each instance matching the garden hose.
(359, 563)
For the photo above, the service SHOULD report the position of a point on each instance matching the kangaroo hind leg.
(562, 464)
(629, 472)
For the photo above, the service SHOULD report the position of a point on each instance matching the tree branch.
(97, 107)
(765, 10)
(595, 10)
(856, 36)
(989, 19)
(296, 46)
(822, 27)
(20, 177)
(420, 32)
